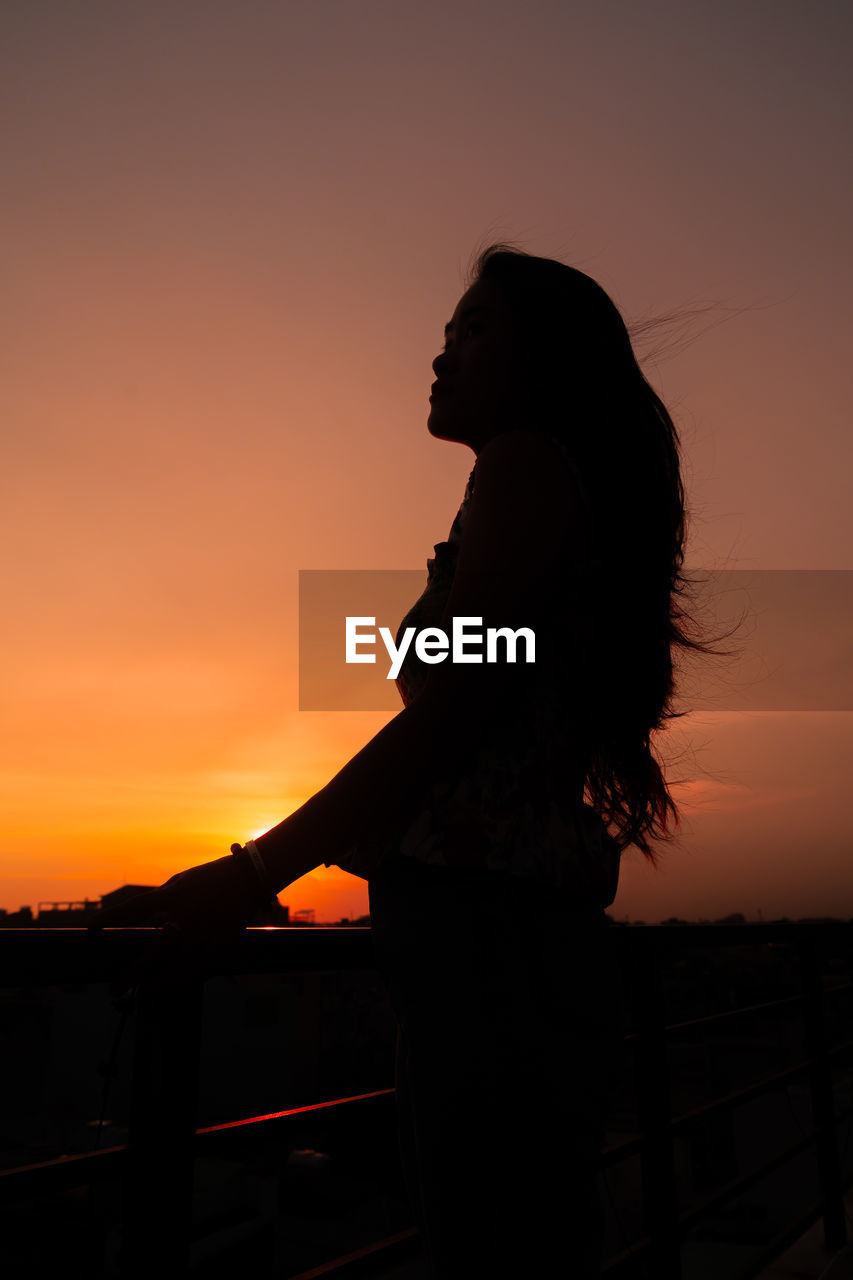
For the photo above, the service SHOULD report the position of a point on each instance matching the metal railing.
(166, 1073)
(666, 1224)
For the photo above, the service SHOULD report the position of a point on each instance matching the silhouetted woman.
(488, 871)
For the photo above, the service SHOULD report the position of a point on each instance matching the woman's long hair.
(580, 377)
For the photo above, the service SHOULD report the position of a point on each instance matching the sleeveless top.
(517, 805)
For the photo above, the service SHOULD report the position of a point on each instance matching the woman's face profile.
(475, 394)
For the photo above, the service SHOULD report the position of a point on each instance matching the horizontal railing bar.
(623, 1150)
(60, 1173)
(680, 937)
(689, 1216)
(695, 1212)
(60, 956)
(755, 1089)
(733, 1013)
(362, 1262)
(773, 1248)
(747, 1008)
(628, 1256)
(292, 1111)
(39, 955)
(632, 1146)
(84, 1166)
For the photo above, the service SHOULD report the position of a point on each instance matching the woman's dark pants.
(509, 1013)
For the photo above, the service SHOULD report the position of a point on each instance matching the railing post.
(660, 1198)
(161, 1140)
(823, 1102)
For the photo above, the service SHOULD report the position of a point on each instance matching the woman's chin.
(439, 427)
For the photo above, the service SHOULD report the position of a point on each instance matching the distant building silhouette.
(127, 891)
(66, 915)
(76, 915)
(20, 919)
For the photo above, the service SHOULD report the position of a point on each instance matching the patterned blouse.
(517, 806)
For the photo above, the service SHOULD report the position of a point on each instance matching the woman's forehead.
(483, 291)
(482, 294)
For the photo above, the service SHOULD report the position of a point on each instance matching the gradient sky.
(232, 234)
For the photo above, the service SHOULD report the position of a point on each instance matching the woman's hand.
(204, 902)
(204, 907)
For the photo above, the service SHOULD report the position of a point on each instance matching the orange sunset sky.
(232, 234)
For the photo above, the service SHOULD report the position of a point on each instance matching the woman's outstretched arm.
(524, 511)
(378, 783)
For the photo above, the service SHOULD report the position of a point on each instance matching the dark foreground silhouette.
(510, 1022)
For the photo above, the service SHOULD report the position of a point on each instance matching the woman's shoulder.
(528, 454)
(530, 467)
(534, 442)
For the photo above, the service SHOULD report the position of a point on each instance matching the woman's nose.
(439, 364)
